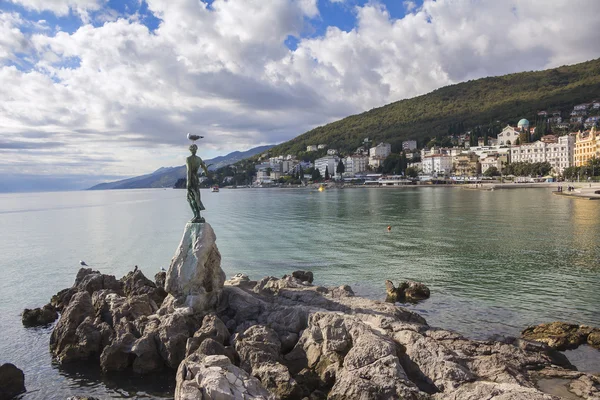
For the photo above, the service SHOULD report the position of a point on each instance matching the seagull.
(193, 138)
(163, 269)
(83, 263)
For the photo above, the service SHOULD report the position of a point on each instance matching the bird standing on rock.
(193, 138)
(82, 263)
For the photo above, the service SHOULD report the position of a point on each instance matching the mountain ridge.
(167, 176)
(504, 99)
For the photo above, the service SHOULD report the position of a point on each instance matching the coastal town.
(555, 149)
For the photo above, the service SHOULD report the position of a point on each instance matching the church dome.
(523, 122)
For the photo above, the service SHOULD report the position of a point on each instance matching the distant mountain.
(480, 102)
(167, 176)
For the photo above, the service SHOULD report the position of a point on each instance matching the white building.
(321, 146)
(379, 153)
(409, 145)
(355, 163)
(312, 147)
(559, 152)
(329, 162)
(583, 106)
(484, 151)
(437, 164)
(508, 136)
(493, 160)
(331, 152)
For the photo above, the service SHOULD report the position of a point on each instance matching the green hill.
(479, 102)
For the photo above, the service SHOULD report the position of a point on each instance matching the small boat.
(214, 189)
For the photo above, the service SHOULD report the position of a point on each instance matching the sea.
(495, 261)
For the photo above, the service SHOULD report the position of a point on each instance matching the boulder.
(39, 316)
(74, 337)
(12, 381)
(212, 328)
(135, 284)
(410, 291)
(304, 276)
(562, 336)
(160, 279)
(241, 280)
(195, 277)
(215, 377)
(259, 350)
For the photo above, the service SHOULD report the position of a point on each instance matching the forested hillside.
(482, 102)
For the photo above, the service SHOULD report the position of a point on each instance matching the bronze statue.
(193, 163)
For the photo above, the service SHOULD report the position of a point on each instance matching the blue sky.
(93, 90)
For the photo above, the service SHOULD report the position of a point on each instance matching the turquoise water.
(495, 261)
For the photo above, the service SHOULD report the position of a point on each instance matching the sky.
(98, 90)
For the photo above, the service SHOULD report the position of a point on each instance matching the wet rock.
(304, 276)
(74, 337)
(39, 316)
(12, 381)
(410, 291)
(562, 335)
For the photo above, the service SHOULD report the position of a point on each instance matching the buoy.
(389, 228)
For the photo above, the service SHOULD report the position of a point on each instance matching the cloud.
(61, 7)
(409, 5)
(123, 91)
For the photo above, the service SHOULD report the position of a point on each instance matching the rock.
(118, 356)
(12, 381)
(259, 351)
(74, 337)
(215, 377)
(563, 336)
(82, 398)
(304, 276)
(242, 281)
(135, 284)
(92, 281)
(407, 291)
(61, 299)
(39, 316)
(212, 328)
(160, 279)
(195, 277)
(173, 334)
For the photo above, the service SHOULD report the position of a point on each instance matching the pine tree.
(341, 168)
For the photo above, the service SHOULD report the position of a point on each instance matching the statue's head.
(193, 149)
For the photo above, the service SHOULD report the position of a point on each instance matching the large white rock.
(195, 277)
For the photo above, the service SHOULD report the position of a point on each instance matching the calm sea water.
(495, 261)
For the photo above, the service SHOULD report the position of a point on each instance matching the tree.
(326, 173)
(316, 175)
(492, 171)
(341, 168)
(412, 172)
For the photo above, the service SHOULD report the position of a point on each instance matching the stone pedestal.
(195, 277)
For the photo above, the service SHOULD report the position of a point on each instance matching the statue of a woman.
(193, 164)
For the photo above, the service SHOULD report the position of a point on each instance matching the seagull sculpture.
(81, 262)
(193, 138)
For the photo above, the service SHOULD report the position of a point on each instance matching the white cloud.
(60, 7)
(119, 92)
(409, 5)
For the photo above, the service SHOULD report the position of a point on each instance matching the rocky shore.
(286, 338)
